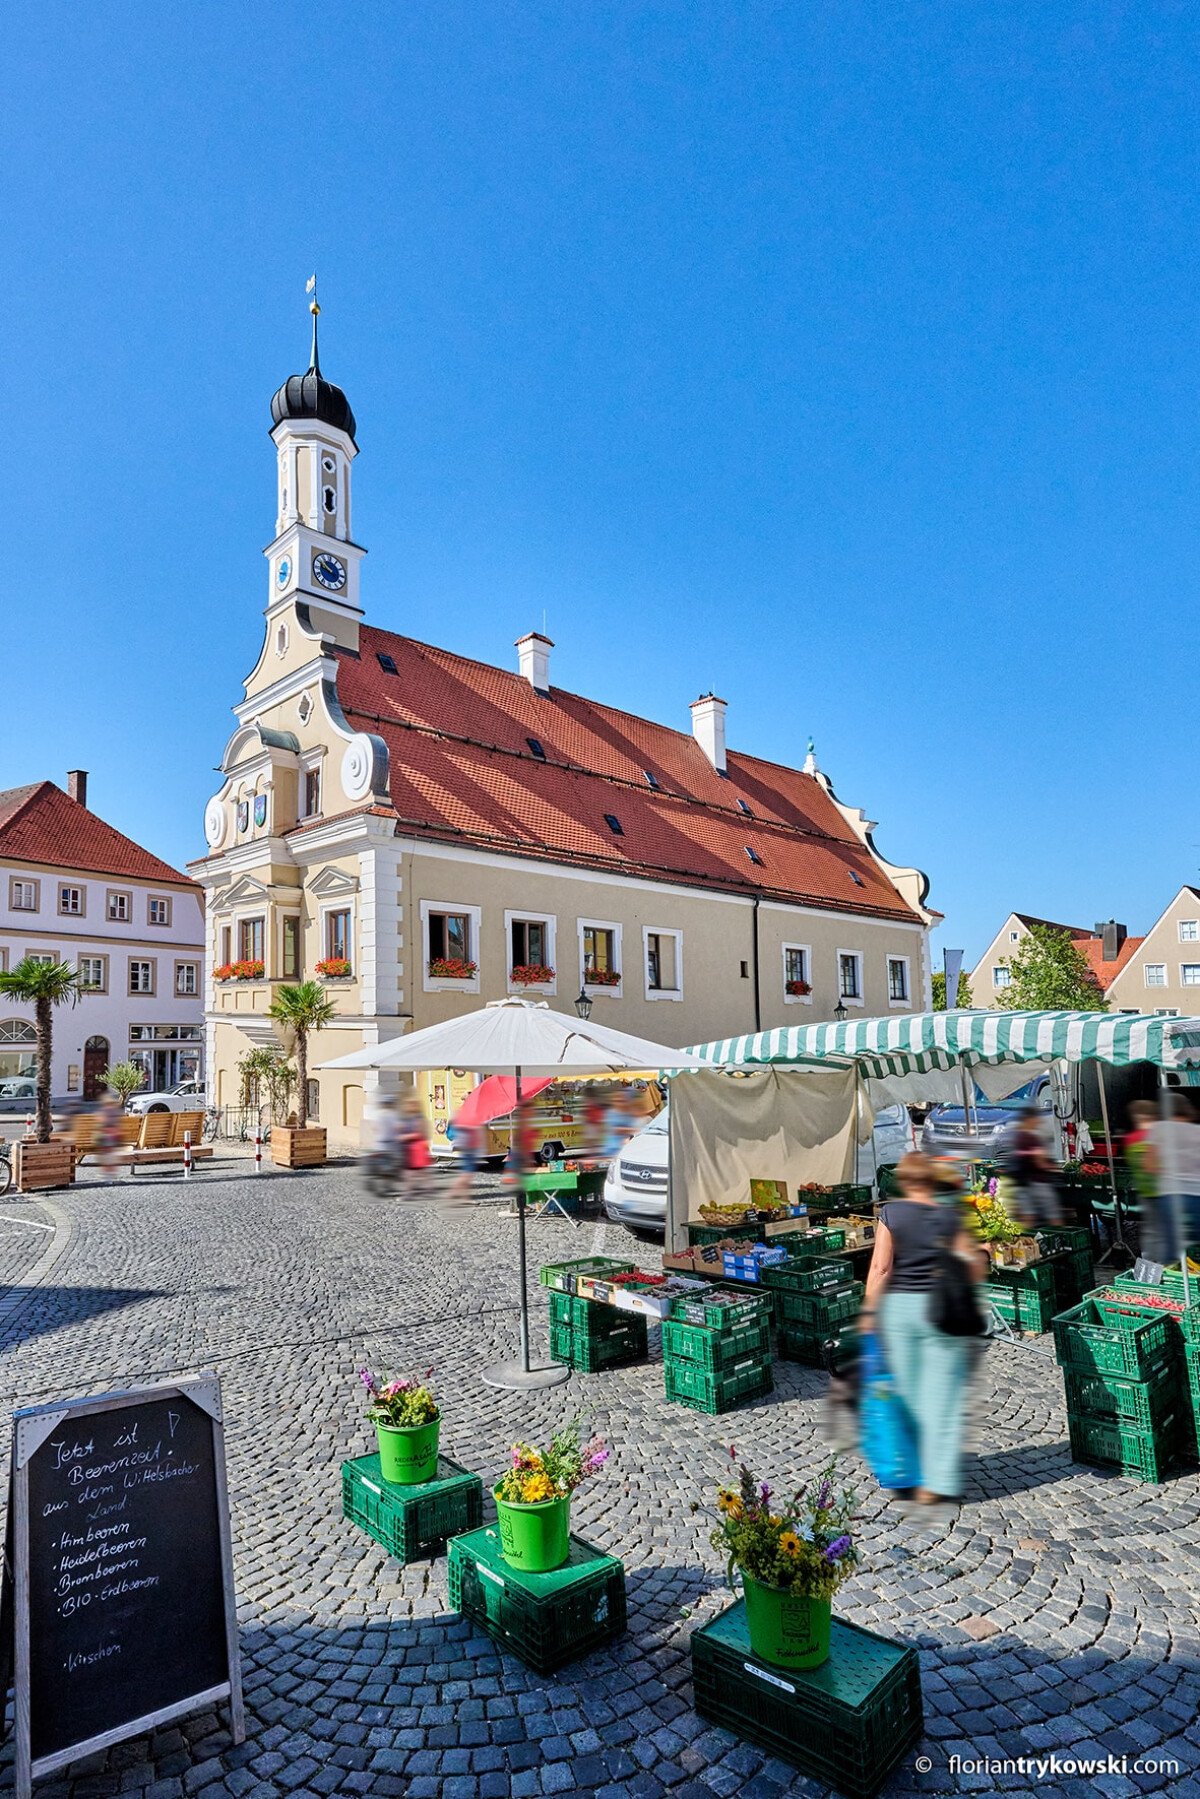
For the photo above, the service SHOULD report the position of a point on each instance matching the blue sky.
(840, 356)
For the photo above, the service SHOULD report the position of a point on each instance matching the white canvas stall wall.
(775, 1124)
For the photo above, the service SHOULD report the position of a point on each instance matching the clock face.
(283, 571)
(329, 571)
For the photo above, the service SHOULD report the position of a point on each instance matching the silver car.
(635, 1190)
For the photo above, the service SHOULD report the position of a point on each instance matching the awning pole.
(1168, 1185)
(1112, 1172)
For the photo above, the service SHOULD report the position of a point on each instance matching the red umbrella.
(495, 1098)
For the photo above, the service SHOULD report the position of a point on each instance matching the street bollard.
(187, 1154)
(258, 1150)
(29, 1124)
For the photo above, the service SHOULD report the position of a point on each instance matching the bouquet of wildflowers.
(553, 1472)
(806, 1546)
(400, 1404)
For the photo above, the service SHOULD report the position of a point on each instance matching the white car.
(187, 1097)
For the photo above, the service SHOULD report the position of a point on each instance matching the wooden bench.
(154, 1138)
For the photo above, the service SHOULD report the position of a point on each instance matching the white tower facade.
(312, 556)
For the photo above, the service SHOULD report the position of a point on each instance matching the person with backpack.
(920, 1299)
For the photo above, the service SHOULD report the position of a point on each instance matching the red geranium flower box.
(334, 968)
(452, 968)
(531, 974)
(799, 988)
(239, 971)
(601, 977)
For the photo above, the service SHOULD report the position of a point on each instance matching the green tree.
(269, 1068)
(42, 985)
(1050, 973)
(300, 1009)
(124, 1079)
(939, 990)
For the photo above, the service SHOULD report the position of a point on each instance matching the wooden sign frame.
(31, 1426)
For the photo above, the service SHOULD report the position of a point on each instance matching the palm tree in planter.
(42, 985)
(300, 1009)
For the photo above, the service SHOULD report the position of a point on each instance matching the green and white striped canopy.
(917, 1043)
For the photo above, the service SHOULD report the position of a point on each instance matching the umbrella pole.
(520, 1376)
(1168, 1186)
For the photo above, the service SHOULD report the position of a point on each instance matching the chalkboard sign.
(121, 1604)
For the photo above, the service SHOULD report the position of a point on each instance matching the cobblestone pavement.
(1058, 1614)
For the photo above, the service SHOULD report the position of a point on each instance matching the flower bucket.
(408, 1456)
(535, 1538)
(789, 1630)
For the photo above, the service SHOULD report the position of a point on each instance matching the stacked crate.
(411, 1522)
(1126, 1408)
(717, 1350)
(590, 1337)
(816, 1302)
(1069, 1249)
(1184, 1312)
(1023, 1297)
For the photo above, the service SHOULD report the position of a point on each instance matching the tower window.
(535, 748)
(386, 663)
(330, 500)
(328, 464)
(754, 855)
(614, 824)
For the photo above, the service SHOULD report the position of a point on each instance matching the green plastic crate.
(1171, 1283)
(1053, 1237)
(1102, 1340)
(589, 1317)
(807, 1274)
(546, 1619)
(796, 1343)
(1147, 1455)
(848, 1723)
(819, 1311)
(741, 1308)
(560, 1276)
(712, 1349)
(1037, 1278)
(411, 1522)
(1141, 1404)
(1025, 1308)
(592, 1353)
(707, 1391)
(700, 1234)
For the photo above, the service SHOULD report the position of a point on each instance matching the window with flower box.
(600, 955)
(797, 973)
(337, 938)
(451, 936)
(291, 949)
(251, 939)
(531, 951)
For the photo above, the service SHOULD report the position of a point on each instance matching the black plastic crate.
(546, 1619)
(848, 1722)
(411, 1522)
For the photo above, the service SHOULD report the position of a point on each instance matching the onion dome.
(310, 396)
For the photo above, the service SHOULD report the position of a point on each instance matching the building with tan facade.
(74, 889)
(426, 832)
(1157, 974)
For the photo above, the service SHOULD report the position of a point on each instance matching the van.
(558, 1112)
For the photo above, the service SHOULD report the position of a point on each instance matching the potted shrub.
(300, 1009)
(407, 1423)
(452, 968)
(533, 1500)
(531, 974)
(42, 985)
(124, 1079)
(792, 1561)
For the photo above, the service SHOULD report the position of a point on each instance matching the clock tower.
(313, 560)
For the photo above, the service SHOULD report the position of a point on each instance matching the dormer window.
(386, 663)
(536, 749)
(743, 807)
(614, 824)
(754, 856)
(857, 878)
(652, 780)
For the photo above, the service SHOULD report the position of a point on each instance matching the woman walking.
(930, 1368)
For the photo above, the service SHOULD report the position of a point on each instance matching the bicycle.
(212, 1124)
(6, 1173)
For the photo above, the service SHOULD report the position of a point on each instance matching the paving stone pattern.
(1058, 1613)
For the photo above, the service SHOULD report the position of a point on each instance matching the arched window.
(17, 1030)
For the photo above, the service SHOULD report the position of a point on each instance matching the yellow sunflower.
(538, 1487)
(789, 1542)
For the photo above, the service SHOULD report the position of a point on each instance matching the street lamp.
(583, 1006)
(839, 1012)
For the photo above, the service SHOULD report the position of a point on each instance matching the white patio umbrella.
(522, 1037)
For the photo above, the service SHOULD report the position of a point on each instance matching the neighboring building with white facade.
(1156, 974)
(427, 832)
(75, 890)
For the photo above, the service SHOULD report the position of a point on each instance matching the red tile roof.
(1106, 972)
(42, 824)
(458, 735)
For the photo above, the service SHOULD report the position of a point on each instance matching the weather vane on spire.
(310, 287)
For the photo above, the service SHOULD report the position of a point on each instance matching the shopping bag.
(886, 1436)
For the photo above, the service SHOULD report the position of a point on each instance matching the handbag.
(886, 1436)
(954, 1307)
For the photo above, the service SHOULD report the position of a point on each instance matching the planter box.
(292, 1147)
(38, 1165)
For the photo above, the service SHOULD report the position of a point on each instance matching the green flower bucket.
(789, 1630)
(408, 1456)
(535, 1538)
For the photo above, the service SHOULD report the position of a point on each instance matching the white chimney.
(533, 651)
(708, 728)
